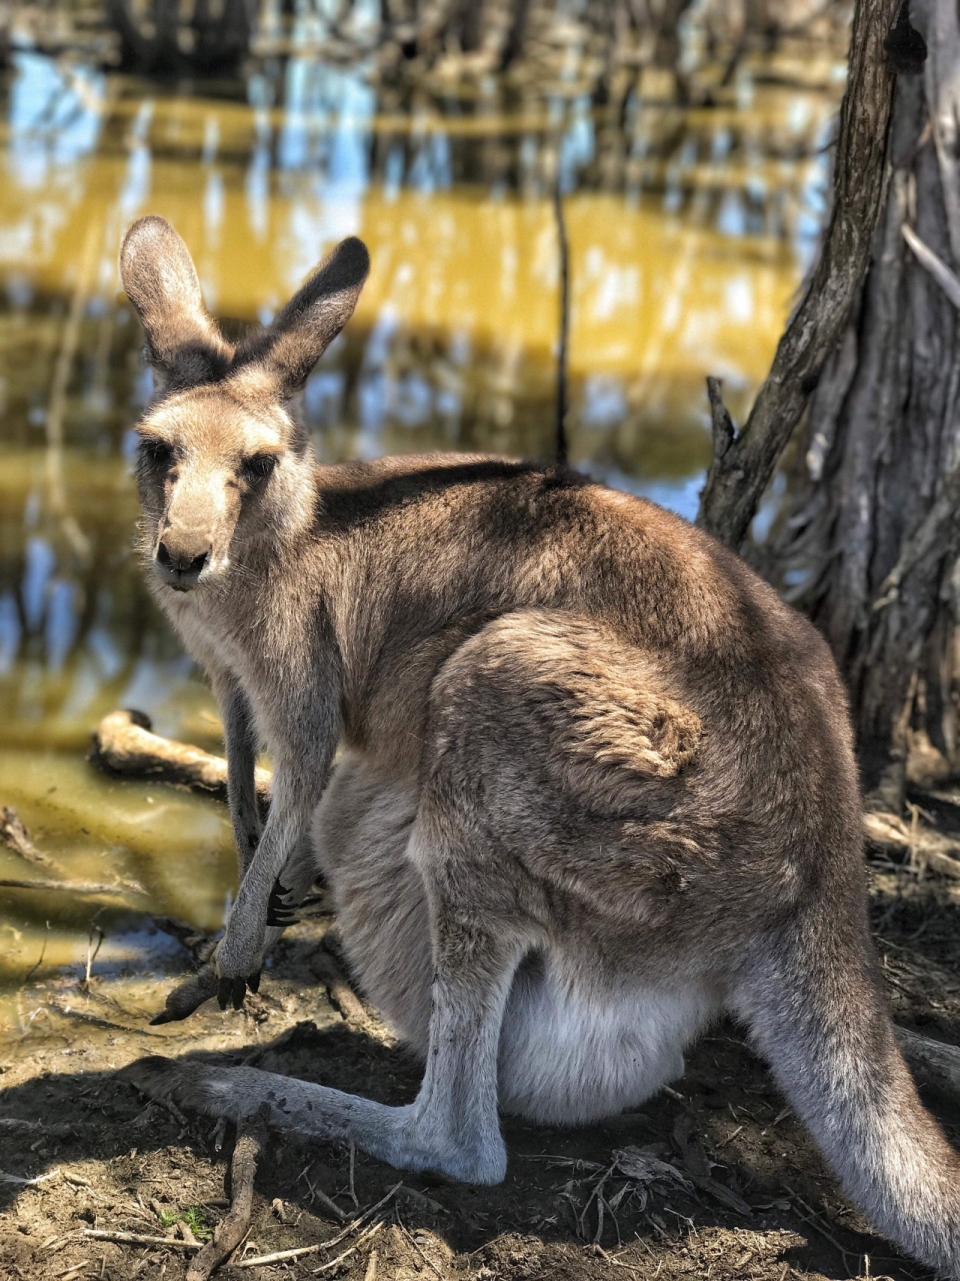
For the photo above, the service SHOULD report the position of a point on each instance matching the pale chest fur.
(262, 647)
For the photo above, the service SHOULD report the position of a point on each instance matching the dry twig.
(318, 1194)
(299, 1251)
(416, 1245)
(945, 277)
(420, 1200)
(370, 1233)
(135, 1238)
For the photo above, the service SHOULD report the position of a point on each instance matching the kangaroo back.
(817, 1012)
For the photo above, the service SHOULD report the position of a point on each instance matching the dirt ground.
(713, 1179)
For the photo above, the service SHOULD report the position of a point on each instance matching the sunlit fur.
(597, 782)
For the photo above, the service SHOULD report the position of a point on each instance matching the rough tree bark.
(870, 545)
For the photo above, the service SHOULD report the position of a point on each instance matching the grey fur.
(598, 782)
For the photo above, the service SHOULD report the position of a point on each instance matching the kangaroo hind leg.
(453, 1124)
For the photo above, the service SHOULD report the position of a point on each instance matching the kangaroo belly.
(574, 1052)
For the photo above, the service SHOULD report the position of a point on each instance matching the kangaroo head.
(222, 462)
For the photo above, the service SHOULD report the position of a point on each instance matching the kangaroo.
(597, 782)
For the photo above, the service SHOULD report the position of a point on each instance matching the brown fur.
(599, 782)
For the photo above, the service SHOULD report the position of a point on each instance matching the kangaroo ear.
(288, 349)
(161, 282)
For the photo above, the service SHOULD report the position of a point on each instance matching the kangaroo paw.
(189, 1085)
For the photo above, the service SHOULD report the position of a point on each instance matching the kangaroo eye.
(257, 468)
(156, 452)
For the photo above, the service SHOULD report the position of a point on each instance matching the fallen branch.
(62, 1006)
(12, 1124)
(15, 836)
(235, 1224)
(341, 994)
(125, 745)
(30, 1183)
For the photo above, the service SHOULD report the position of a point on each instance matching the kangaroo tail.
(815, 1005)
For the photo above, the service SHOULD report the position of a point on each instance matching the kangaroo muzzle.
(179, 567)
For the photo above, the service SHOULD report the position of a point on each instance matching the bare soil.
(741, 1191)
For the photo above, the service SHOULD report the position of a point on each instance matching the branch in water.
(72, 887)
(125, 745)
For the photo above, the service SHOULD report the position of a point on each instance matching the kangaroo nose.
(179, 569)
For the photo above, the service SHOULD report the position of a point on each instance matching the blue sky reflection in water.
(689, 231)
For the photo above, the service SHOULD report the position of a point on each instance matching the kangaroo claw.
(278, 911)
(231, 992)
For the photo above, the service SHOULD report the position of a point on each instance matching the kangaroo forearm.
(240, 736)
(298, 783)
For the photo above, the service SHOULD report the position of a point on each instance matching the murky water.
(688, 230)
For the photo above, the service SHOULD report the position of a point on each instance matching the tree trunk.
(870, 547)
(743, 464)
